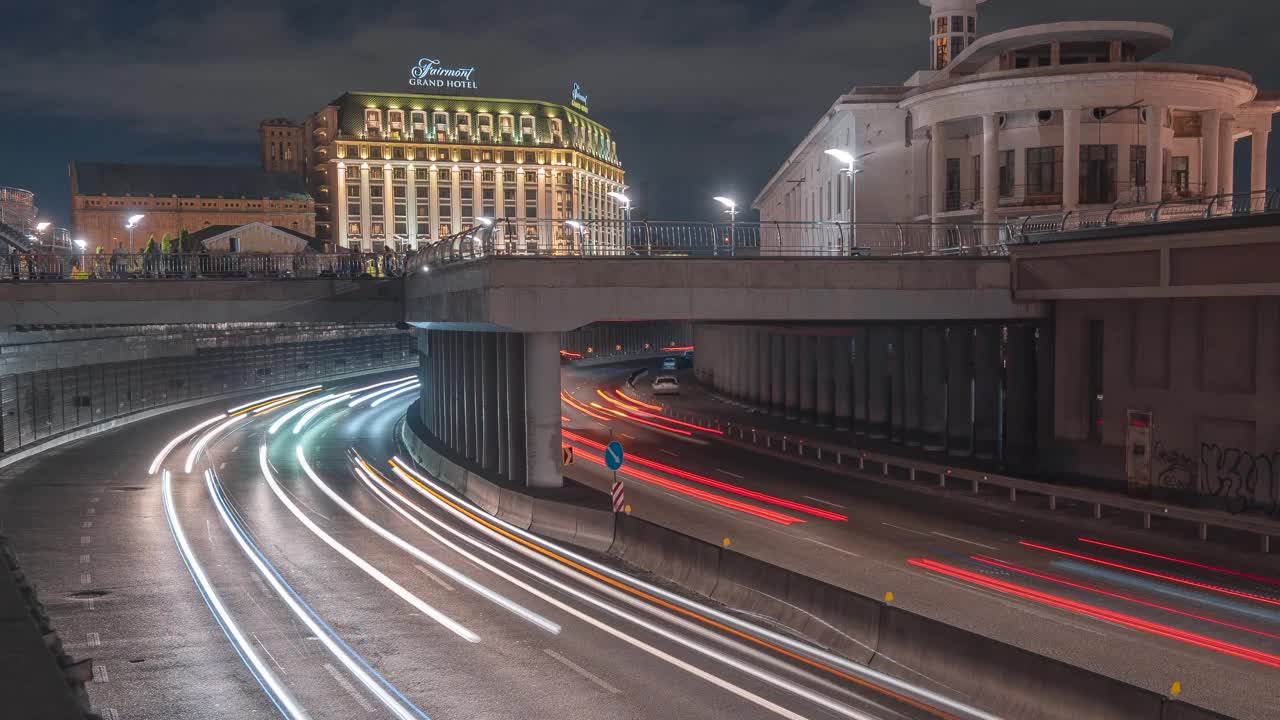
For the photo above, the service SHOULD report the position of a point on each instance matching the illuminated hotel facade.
(405, 169)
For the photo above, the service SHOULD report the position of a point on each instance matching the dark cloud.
(704, 96)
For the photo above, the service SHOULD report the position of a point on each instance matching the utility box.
(1138, 442)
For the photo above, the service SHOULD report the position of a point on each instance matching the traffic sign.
(566, 455)
(613, 455)
(619, 496)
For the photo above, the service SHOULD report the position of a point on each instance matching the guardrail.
(1037, 228)
(49, 266)
(836, 456)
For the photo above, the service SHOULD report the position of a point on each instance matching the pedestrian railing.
(178, 266)
(897, 470)
(1042, 228)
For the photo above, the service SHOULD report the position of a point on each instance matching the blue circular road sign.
(613, 455)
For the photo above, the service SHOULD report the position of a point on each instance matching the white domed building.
(1044, 118)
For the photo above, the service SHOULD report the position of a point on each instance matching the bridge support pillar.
(777, 374)
(825, 382)
(792, 369)
(933, 388)
(987, 405)
(808, 366)
(514, 417)
(843, 405)
(763, 371)
(1019, 398)
(960, 390)
(489, 401)
(861, 379)
(542, 409)
(896, 386)
(880, 387)
(912, 397)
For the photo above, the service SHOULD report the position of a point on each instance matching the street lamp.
(42, 226)
(626, 211)
(131, 224)
(850, 161)
(80, 243)
(730, 204)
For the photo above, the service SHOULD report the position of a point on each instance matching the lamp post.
(577, 228)
(732, 212)
(626, 214)
(850, 161)
(131, 224)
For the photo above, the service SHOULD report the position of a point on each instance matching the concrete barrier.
(516, 508)
(595, 530)
(684, 560)
(554, 520)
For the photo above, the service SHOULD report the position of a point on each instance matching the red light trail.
(1202, 566)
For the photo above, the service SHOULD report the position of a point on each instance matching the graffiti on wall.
(1242, 479)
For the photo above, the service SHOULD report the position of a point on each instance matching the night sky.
(704, 97)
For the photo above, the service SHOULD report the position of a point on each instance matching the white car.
(666, 385)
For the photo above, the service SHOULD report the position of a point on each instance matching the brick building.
(172, 198)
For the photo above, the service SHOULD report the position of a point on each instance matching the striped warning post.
(619, 496)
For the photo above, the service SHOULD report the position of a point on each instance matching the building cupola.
(953, 26)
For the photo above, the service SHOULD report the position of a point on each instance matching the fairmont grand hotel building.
(400, 169)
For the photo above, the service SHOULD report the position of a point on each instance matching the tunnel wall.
(605, 341)
(56, 381)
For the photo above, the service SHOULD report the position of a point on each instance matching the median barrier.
(687, 561)
(595, 530)
(554, 520)
(516, 508)
(481, 492)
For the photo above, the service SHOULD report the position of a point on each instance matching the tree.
(166, 245)
(151, 243)
(184, 241)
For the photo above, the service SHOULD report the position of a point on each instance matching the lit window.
(463, 126)
(395, 121)
(557, 131)
(526, 128)
(373, 121)
(484, 124)
(506, 123)
(441, 121)
(418, 118)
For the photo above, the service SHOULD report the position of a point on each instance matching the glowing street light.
(80, 243)
(487, 222)
(42, 226)
(730, 204)
(131, 224)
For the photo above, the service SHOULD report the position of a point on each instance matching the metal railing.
(1035, 228)
(187, 266)
(651, 238)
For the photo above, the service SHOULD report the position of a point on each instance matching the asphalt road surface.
(254, 586)
(1060, 584)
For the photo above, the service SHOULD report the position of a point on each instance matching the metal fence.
(1039, 228)
(177, 266)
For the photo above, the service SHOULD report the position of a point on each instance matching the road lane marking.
(629, 437)
(899, 527)
(726, 472)
(268, 652)
(92, 605)
(84, 559)
(668, 452)
(100, 673)
(581, 671)
(86, 578)
(237, 447)
(86, 524)
(824, 502)
(960, 539)
(833, 547)
(85, 539)
(345, 684)
(433, 576)
(94, 640)
(90, 511)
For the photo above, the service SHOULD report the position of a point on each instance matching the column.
(808, 366)
(751, 386)
(411, 205)
(364, 205)
(1019, 400)
(879, 393)
(860, 370)
(388, 206)
(987, 405)
(470, 395)
(339, 213)
(499, 193)
(517, 469)
(434, 209)
(1155, 153)
(763, 372)
(912, 384)
(542, 409)
(777, 375)
(843, 405)
(500, 405)
(1226, 157)
(895, 387)
(489, 401)
(1258, 168)
(477, 194)
(937, 181)
(455, 199)
(825, 401)
(990, 178)
(933, 388)
(1071, 159)
(544, 229)
(792, 376)
(1210, 142)
(454, 382)
(959, 389)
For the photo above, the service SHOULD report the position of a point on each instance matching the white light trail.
(384, 383)
(164, 452)
(365, 398)
(375, 683)
(280, 421)
(259, 401)
(456, 576)
(385, 398)
(360, 562)
(262, 672)
(204, 440)
(306, 418)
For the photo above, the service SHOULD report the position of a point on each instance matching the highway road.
(215, 569)
(1144, 607)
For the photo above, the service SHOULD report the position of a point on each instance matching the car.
(669, 363)
(666, 385)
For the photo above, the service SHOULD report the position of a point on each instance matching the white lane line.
(86, 579)
(899, 527)
(94, 639)
(235, 448)
(85, 539)
(833, 547)
(257, 580)
(824, 502)
(726, 472)
(581, 671)
(90, 511)
(268, 652)
(92, 604)
(345, 684)
(84, 559)
(100, 673)
(960, 539)
(434, 577)
(629, 437)
(86, 524)
(94, 499)
(223, 466)
(669, 452)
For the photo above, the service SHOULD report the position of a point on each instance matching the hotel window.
(395, 121)
(353, 228)
(422, 175)
(375, 173)
(463, 125)
(373, 121)
(401, 204)
(466, 205)
(557, 131)
(526, 129)
(423, 207)
(486, 156)
(377, 229)
(397, 153)
(506, 124)
(486, 176)
(487, 203)
(465, 176)
(441, 121)
(1044, 170)
(375, 201)
(508, 156)
(465, 155)
(446, 229)
(444, 174)
(1006, 173)
(418, 119)
(509, 176)
(485, 125)
(419, 154)
(509, 204)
